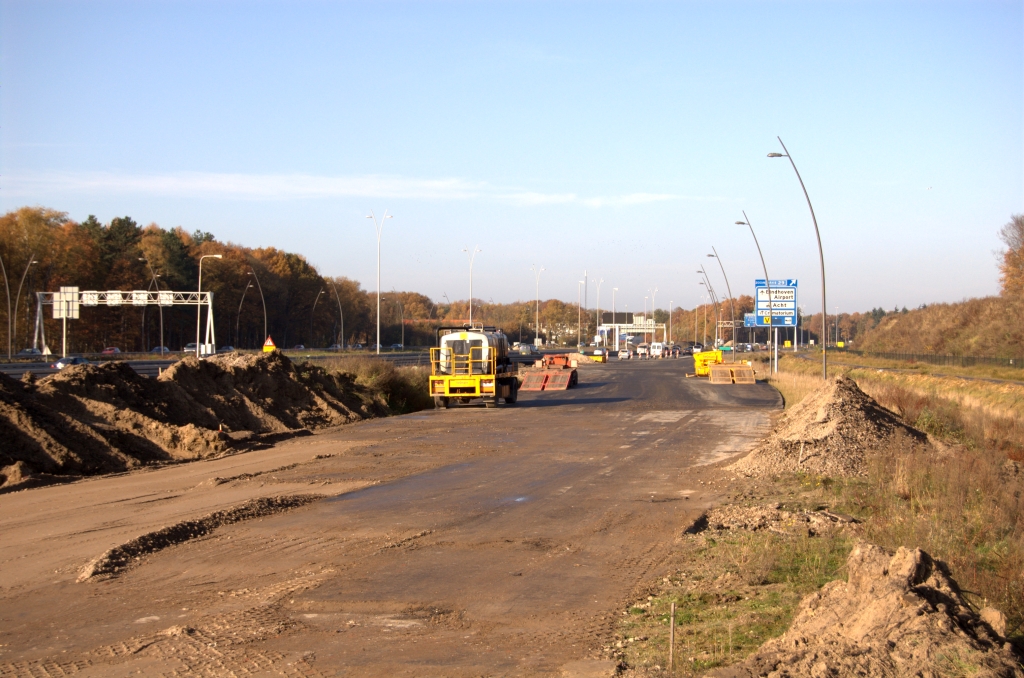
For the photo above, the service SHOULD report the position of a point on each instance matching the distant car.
(226, 349)
(300, 347)
(110, 350)
(190, 348)
(68, 361)
(528, 349)
(30, 351)
(625, 354)
(398, 346)
(161, 350)
(696, 348)
(373, 347)
(334, 347)
(357, 346)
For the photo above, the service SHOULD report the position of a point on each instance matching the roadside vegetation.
(966, 508)
(403, 389)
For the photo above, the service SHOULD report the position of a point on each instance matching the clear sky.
(621, 138)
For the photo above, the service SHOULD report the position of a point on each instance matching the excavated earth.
(898, 614)
(830, 432)
(106, 418)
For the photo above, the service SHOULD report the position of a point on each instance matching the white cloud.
(234, 186)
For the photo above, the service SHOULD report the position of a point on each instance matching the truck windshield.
(463, 356)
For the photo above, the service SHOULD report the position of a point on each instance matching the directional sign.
(65, 303)
(749, 320)
(780, 309)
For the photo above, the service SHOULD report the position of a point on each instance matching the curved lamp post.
(8, 288)
(615, 327)
(319, 294)
(341, 314)
(17, 298)
(767, 280)
(238, 316)
(252, 272)
(380, 228)
(732, 305)
(472, 256)
(199, 306)
(714, 300)
(821, 256)
(579, 313)
(538, 272)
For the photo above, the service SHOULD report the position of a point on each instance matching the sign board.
(749, 320)
(65, 303)
(787, 343)
(268, 345)
(841, 344)
(780, 310)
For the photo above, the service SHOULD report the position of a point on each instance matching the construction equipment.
(703, 361)
(472, 362)
(550, 373)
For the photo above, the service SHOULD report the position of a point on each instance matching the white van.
(657, 350)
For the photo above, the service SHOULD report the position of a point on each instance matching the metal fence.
(952, 360)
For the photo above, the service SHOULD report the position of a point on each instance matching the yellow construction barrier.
(731, 374)
(703, 361)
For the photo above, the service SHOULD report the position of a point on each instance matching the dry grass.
(404, 389)
(852, 360)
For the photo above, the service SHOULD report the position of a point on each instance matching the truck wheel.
(440, 403)
(511, 400)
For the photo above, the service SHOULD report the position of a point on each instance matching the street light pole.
(714, 300)
(732, 306)
(597, 313)
(160, 307)
(17, 298)
(379, 228)
(252, 272)
(645, 318)
(238, 317)
(199, 306)
(8, 288)
(579, 314)
(319, 294)
(472, 257)
(821, 256)
(615, 326)
(767, 280)
(341, 314)
(538, 271)
(670, 321)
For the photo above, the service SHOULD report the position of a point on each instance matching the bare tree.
(1011, 270)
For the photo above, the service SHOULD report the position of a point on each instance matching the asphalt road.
(461, 542)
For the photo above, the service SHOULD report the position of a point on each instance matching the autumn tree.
(1011, 270)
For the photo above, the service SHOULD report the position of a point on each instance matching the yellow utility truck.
(470, 363)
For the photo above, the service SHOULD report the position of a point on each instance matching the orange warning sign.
(269, 345)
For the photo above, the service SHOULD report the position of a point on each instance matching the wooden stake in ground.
(672, 638)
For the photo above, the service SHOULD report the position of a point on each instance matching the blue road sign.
(780, 310)
(749, 320)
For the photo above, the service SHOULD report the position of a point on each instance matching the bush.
(403, 389)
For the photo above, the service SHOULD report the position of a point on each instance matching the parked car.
(68, 361)
(30, 351)
(397, 346)
(625, 354)
(110, 350)
(334, 347)
(299, 347)
(160, 349)
(357, 346)
(226, 349)
(190, 348)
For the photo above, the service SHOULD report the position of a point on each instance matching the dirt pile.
(830, 431)
(104, 418)
(768, 518)
(898, 615)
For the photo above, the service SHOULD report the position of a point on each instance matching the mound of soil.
(104, 418)
(898, 615)
(768, 518)
(830, 431)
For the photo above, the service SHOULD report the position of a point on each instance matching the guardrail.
(950, 360)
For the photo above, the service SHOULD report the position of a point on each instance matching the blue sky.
(623, 139)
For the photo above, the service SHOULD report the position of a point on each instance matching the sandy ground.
(460, 543)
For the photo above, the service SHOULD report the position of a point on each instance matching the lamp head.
(217, 256)
(712, 256)
(776, 155)
(741, 223)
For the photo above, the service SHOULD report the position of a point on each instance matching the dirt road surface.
(464, 542)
